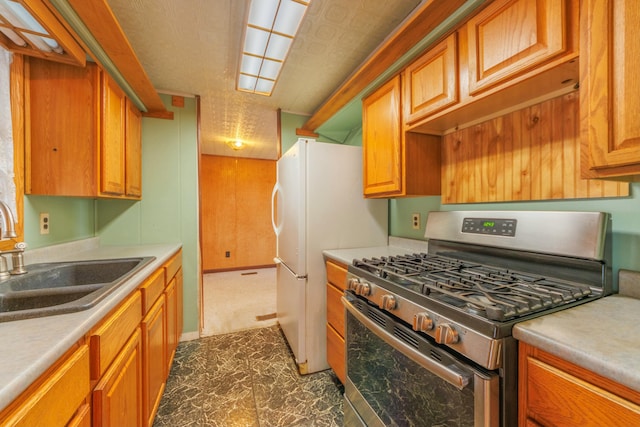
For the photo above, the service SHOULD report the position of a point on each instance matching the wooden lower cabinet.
(171, 298)
(117, 398)
(58, 399)
(336, 283)
(154, 343)
(556, 393)
(116, 374)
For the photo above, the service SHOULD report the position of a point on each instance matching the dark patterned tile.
(246, 379)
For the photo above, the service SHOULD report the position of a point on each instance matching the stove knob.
(364, 289)
(445, 334)
(352, 284)
(388, 302)
(422, 322)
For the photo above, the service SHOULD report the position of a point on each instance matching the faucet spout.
(8, 231)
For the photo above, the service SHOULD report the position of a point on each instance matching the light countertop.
(31, 346)
(602, 336)
(396, 246)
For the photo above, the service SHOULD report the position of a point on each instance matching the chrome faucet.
(9, 232)
(9, 229)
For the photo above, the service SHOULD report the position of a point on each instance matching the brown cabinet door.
(431, 82)
(133, 151)
(382, 145)
(117, 398)
(154, 366)
(610, 103)
(61, 120)
(171, 296)
(112, 145)
(510, 37)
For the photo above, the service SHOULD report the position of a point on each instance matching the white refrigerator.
(317, 204)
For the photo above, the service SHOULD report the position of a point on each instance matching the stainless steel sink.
(57, 288)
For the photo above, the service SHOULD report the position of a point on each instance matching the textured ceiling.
(191, 47)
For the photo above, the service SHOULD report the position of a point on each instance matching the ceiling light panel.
(23, 27)
(269, 32)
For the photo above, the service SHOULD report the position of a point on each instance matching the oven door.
(396, 377)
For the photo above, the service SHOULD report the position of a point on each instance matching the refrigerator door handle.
(276, 229)
(280, 262)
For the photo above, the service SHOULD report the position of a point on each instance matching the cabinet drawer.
(565, 400)
(57, 400)
(335, 353)
(151, 289)
(108, 339)
(173, 265)
(337, 274)
(335, 309)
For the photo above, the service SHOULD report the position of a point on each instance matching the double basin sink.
(64, 287)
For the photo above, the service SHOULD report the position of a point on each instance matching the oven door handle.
(457, 379)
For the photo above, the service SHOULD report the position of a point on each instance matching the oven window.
(397, 389)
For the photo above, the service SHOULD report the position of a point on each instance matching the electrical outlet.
(415, 221)
(45, 225)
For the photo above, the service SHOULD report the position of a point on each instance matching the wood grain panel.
(382, 147)
(218, 198)
(112, 148)
(49, 162)
(431, 82)
(236, 212)
(255, 238)
(133, 150)
(609, 60)
(530, 154)
(510, 37)
(555, 392)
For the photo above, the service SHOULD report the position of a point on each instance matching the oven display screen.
(491, 226)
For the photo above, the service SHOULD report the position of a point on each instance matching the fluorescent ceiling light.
(269, 32)
(22, 28)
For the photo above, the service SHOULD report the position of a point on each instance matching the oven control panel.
(491, 226)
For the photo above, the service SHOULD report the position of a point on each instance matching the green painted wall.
(69, 218)
(168, 212)
(625, 212)
(289, 122)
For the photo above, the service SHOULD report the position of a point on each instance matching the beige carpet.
(239, 300)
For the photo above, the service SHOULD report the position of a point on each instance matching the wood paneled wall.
(236, 212)
(530, 154)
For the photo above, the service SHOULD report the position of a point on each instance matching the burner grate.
(491, 292)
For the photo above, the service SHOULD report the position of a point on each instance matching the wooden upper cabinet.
(61, 128)
(396, 163)
(382, 140)
(610, 99)
(133, 150)
(82, 134)
(431, 82)
(112, 141)
(511, 37)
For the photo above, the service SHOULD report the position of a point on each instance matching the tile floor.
(246, 379)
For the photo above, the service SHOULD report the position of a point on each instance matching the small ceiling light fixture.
(271, 27)
(236, 144)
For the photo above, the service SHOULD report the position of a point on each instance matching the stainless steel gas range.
(428, 335)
